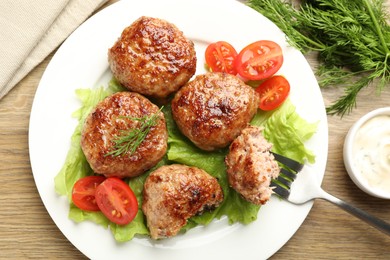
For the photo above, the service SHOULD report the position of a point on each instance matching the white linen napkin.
(31, 29)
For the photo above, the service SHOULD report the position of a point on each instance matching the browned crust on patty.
(110, 119)
(174, 193)
(152, 57)
(212, 109)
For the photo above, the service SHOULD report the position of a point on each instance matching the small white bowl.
(350, 162)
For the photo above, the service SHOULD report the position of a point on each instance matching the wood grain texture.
(27, 231)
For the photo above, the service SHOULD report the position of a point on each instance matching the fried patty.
(174, 193)
(117, 117)
(250, 165)
(152, 57)
(212, 109)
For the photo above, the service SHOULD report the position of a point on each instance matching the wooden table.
(27, 231)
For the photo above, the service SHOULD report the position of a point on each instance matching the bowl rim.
(353, 173)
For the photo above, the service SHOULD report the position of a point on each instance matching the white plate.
(81, 62)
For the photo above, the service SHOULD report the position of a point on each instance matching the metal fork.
(307, 187)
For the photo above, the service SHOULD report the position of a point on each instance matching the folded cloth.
(31, 30)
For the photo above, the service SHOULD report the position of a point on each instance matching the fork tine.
(280, 190)
(284, 181)
(288, 174)
(290, 163)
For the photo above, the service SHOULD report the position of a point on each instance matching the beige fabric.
(31, 29)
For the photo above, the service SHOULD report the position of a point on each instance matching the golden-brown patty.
(174, 193)
(212, 109)
(112, 119)
(152, 57)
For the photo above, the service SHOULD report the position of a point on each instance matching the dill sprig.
(129, 140)
(351, 37)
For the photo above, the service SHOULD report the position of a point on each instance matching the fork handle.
(373, 221)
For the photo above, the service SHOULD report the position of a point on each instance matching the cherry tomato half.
(220, 57)
(259, 60)
(117, 201)
(273, 92)
(83, 192)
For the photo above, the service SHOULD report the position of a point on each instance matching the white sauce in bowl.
(371, 152)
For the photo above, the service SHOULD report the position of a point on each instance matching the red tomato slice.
(117, 201)
(220, 57)
(259, 60)
(83, 192)
(273, 92)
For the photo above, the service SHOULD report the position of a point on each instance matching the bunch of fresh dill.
(351, 37)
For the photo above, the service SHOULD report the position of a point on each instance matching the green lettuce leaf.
(283, 127)
(288, 132)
